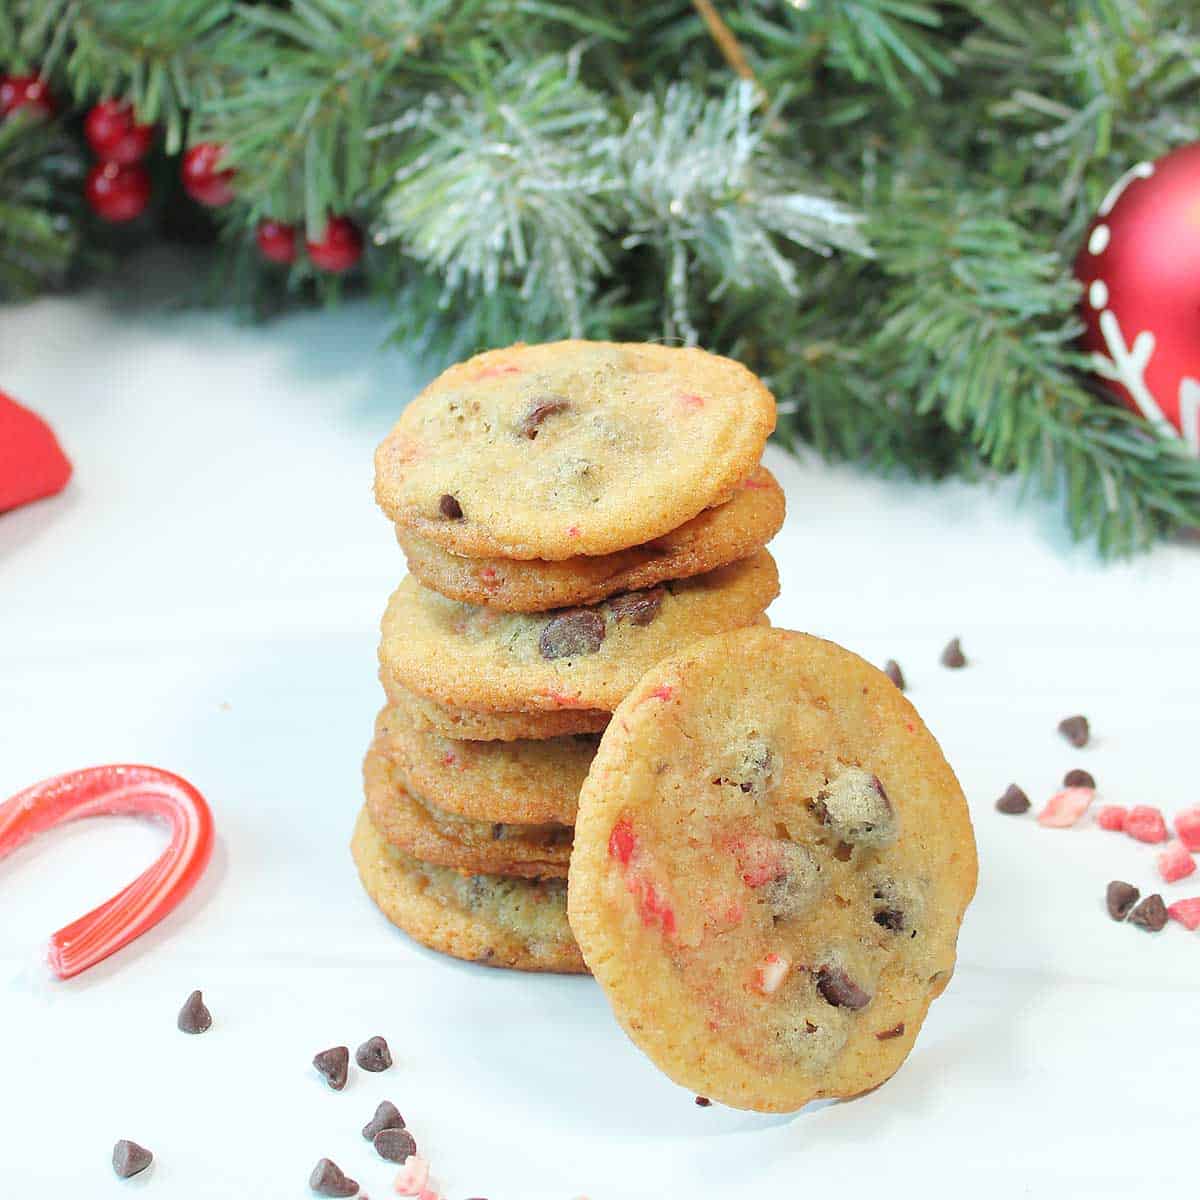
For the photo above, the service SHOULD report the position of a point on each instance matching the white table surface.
(204, 597)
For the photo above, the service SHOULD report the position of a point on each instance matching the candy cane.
(115, 791)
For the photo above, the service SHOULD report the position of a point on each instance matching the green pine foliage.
(880, 217)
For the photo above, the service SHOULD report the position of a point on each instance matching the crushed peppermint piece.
(1112, 817)
(412, 1176)
(1175, 862)
(622, 841)
(1064, 808)
(771, 972)
(1186, 912)
(1014, 801)
(1151, 914)
(1119, 898)
(1146, 824)
(1076, 730)
(1187, 826)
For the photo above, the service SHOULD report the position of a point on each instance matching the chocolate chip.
(334, 1064)
(1151, 914)
(1079, 778)
(1075, 730)
(129, 1159)
(1120, 898)
(891, 669)
(838, 989)
(394, 1144)
(953, 655)
(497, 831)
(887, 1034)
(546, 406)
(1013, 802)
(639, 607)
(890, 918)
(373, 1055)
(194, 1017)
(328, 1179)
(573, 632)
(703, 1102)
(450, 508)
(387, 1116)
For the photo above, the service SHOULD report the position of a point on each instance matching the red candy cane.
(116, 791)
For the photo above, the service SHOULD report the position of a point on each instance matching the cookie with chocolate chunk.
(772, 860)
(717, 536)
(576, 658)
(517, 923)
(448, 840)
(570, 448)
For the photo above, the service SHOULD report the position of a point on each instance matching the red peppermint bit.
(1187, 825)
(1175, 862)
(664, 691)
(652, 908)
(759, 859)
(1112, 817)
(755, 485)
(770, 973)
(562, 699)
(690, 401)
(910, 726)
(622, 842)
(487, 574)
(490, 372)
(573, 531)
(448, 759)
(1186, 912)
(1064, 808)
(1146, 824)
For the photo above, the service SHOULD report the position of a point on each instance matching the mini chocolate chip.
(953, 655)
(373, 1055)
(450, 508)
(334, 1064)
(887, 1034)
(1013, 802)
(891, 669)
(194, 1017)
(838, 989)
(703, 1102)
(1075, 730)
(394, 1144)
(1151, 914)
(387, 1116)
(1120, 898)
(497, 831)
(890, 918)
(1079, 778)
(640, 607)
(546, 406)
(328, 1179)
(573, 632)
(129, 1159)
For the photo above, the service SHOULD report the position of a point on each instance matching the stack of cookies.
(571, 514)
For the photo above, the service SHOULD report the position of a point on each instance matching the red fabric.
(32, 464)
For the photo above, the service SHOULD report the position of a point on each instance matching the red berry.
(340, 246)
(276, 241)
(25, 91)
(201, 178)
(114, 135)
(118, 193)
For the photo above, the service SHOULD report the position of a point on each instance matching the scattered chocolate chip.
(334, 1064)
(497, 831)
(546, 406)
(450, 508)
(387, 1116)
(887, 1034)
(891, 669)
(639, 607)
(1075, 730)
(1079, 778)
(576, 631)
(842, 851)
(373, 1055)
(328, 1179)
(953, 655)
(1014, 801)
(838, 989)
(890, 918)
(394, 1144)
(703, 1102)
(129, 1159)
(1120, 898)
(1151, 914)
(194, 1017)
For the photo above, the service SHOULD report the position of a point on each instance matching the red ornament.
(25, 91)
(114, 135)
(1140, 270)
(276, 241)
(118, 193)
(340, 246)
(32, 464)
(202, 180)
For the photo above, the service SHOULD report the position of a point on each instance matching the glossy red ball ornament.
(203, 179)
(276, 241)
(26, 91)
(340, 247)
(118, 193)
(114, 134)
(1140, 271)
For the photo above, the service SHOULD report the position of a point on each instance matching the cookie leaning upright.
(571, 448)
(772, 859)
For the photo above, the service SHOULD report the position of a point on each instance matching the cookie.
(571, 448)
(772, 859)
(447, 840)
(518, 923)
(451, 721)
(719, 535)
(520, 782)
(479, 658)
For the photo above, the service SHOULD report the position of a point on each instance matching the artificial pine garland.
(875, 203)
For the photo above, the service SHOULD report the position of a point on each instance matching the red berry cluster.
(118, 186)
(338, 249)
